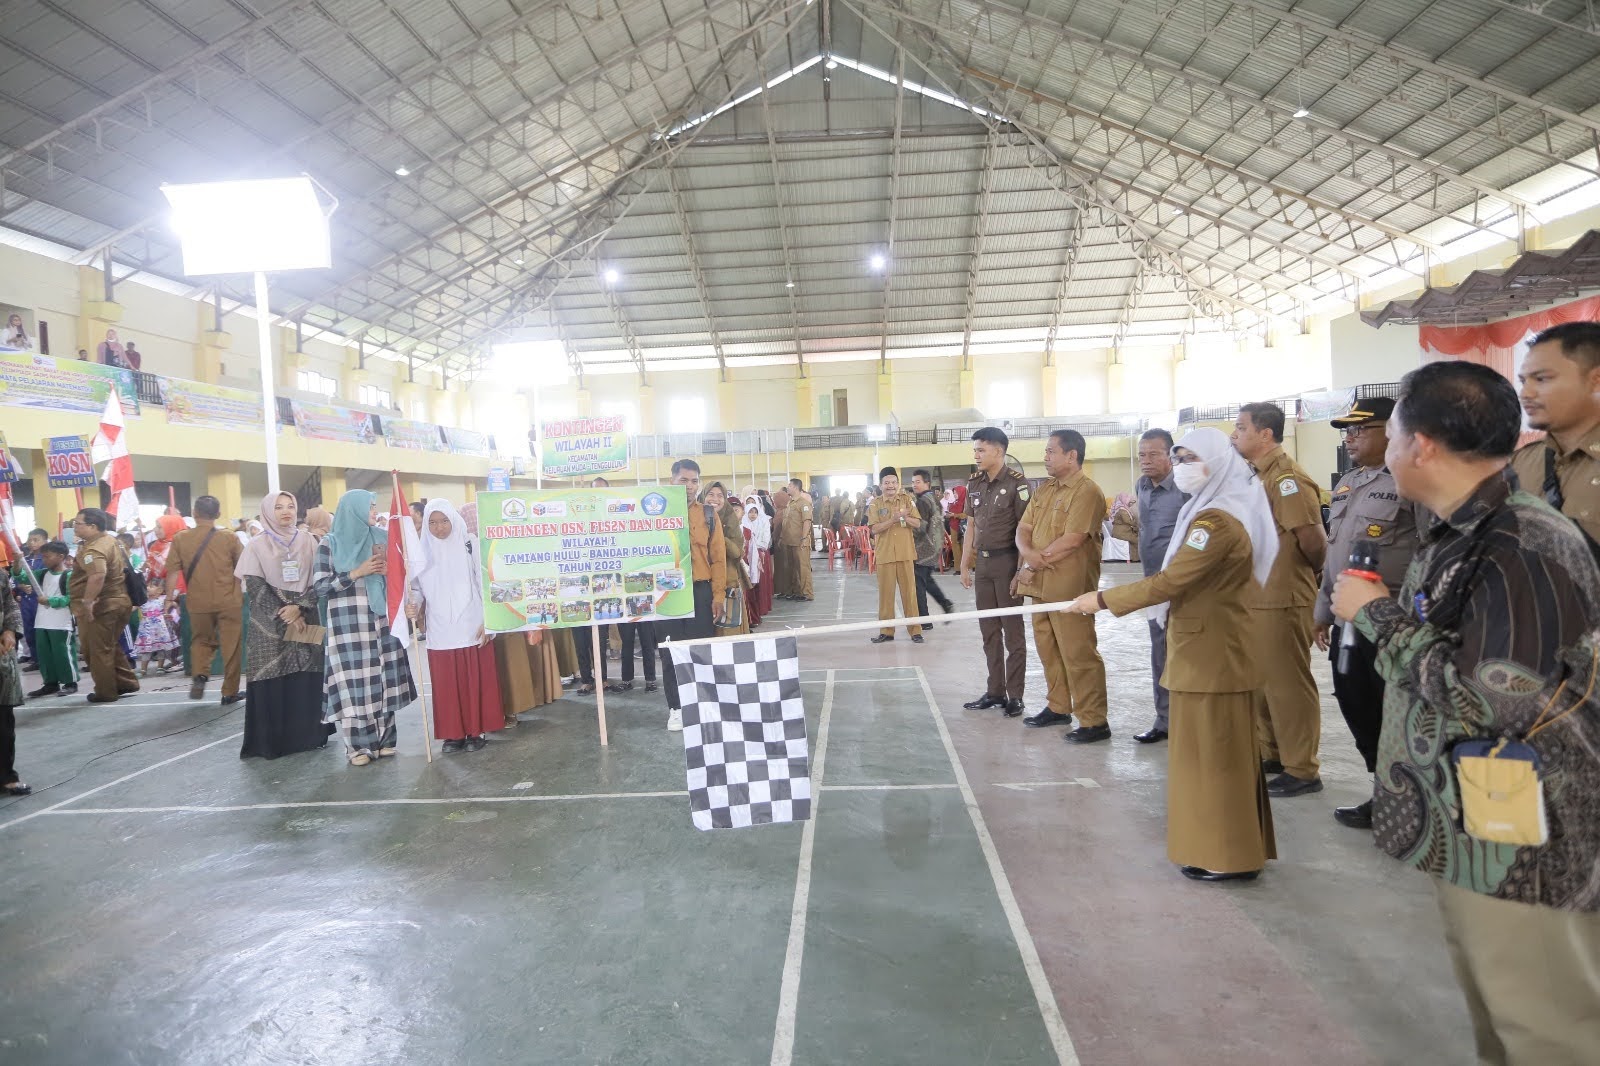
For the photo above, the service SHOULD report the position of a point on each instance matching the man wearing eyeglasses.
(1366, 506)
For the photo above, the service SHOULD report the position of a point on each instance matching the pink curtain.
(1495, 344)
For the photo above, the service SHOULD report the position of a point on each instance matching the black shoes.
(917, 639)
(95, 697)
(881, 638)
(47, 690)
(1047, 717)
(68, 690)
(1200, 873)
(1271, 766)
(1088, 734)
(197, 687)
(984, 702)
(229, 701)
(1357, 817)
(949, 608)
(453, 746)
(1151, 736)
(1286, 784)
(477, 743)
(1013, 708)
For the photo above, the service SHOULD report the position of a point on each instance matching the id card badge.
(291, 571)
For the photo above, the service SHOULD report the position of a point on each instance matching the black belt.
(996, 553)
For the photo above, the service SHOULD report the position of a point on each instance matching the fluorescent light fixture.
(1177, 210)
(877, 262)
(524, 364)
(517, 261)
(1301, 112)
(788, 284)
(877, 434)
(832, 63)
(243, 227)
(611, 275)
(402, 172)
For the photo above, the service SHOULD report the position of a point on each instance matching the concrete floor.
(970, 892)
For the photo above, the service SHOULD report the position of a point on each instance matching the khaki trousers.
(799, 556)
(902, 576)
(1288, 708)
(112, 673)
(1531, 976)
(1073, 669)
(203, 643)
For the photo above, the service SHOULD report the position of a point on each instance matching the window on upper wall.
(372, 396)
(311, 381)
(687, 414)
(1007, 399)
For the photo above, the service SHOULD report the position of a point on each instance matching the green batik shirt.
(1502, 593)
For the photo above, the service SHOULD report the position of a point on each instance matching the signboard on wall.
(63, 384)
(1324, 406)
(417, 436)
(67, 463)
(563, 558)
(317, 421)
(580, 447)
(196, 403)
(499, 479)
(467, 441)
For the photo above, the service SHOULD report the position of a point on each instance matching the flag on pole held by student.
(744, 732)
(111, 447)
(404, 557)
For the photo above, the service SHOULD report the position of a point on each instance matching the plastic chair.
(865, 553)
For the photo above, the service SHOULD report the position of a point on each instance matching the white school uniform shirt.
(53, 618)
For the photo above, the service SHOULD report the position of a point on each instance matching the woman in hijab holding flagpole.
(367, 679)
(466, 687)
(283, 703)
(1219, 824)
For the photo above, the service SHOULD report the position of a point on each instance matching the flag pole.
(599, 677)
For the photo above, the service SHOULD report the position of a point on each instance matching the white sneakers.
(675, 721)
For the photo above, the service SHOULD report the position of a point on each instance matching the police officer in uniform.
(996, 498)
(99, 596)
(1366, 506)
(1560, 378)
(1288, 708)
(1060, 540)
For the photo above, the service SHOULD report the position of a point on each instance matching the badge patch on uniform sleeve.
(1022, 494)
(1374, 530)
(1288, 487)
(88, 557)
(1198, 539)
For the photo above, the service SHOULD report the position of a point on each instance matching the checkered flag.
(744, 732)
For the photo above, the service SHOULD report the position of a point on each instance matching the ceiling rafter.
(894, 204)
(1063, 286)
(791, 275)
(1538, 9)
(980, 226)
(702, 290)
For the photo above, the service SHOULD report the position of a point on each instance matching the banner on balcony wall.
(317, 421)
(561, 558)
(196, 403)
(467, 441)
(417, 436)
(63, 384)
(67, 463)
(578, 447)
(1324, 406)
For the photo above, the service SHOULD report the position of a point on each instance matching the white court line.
(838, 609)
(120, 780)
(891, 788)
(789, 990)
(1050, 1013)
(125, 703)
(1028, 786)
(860, 680)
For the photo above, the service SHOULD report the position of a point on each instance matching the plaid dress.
(367, 679)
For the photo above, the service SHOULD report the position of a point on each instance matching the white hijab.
(1233, 489)
(452, 590)
(760, 527)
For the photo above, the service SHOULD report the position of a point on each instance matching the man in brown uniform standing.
(99, 598)
(1288, 709)
(894, 520)
(206, 556)
(1559, 378)
(1060, 540)
(996, 498)
(794, 535)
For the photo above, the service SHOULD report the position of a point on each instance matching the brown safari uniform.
(110, 669)
(794, 538)
(213, 600)
(996, 507)
(895, 552)
(1288, 708)
(1073, 669)
(1218, 814)
(1577, 470)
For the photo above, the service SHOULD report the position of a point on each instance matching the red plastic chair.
(865, 553)
(830, 544)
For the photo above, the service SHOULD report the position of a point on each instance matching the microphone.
(1363, 564)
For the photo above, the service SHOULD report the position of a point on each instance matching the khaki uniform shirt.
(1577, 469)
(1071, 504)
(795, 529)
(996, 506)
(213, 587)
(825, 511)
(899, 543)
(707, 551)
(1296, 502)
(1367, 506)
(1207, 586)
(102, 555)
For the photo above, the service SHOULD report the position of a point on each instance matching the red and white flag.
(111, 447)
(405, 556)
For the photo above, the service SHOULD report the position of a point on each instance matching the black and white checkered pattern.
(744, 732)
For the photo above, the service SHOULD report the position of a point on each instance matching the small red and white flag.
(405, 558)
(111, 447)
